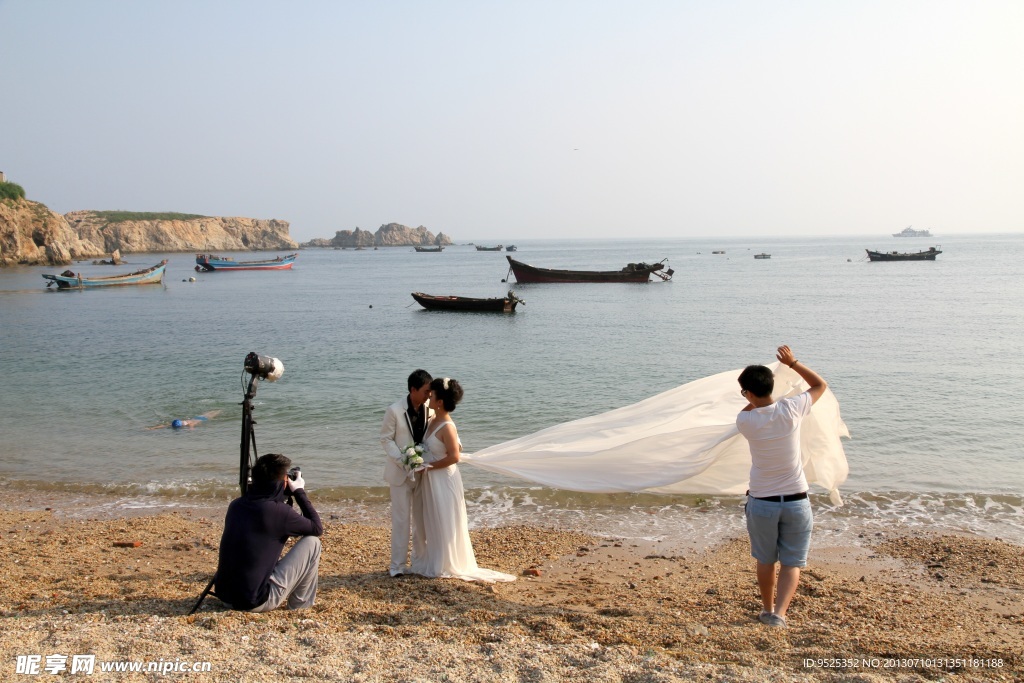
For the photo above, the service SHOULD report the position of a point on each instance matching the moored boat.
(497, 248)
(438, 248)
(928, 255)
(762, 255)
(209, 262)
(510, 247)
(633, 272)
(465, 303)
(70, 280)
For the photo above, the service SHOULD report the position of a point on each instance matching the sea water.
(923, 357)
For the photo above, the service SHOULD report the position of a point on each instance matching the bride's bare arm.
(449, 436)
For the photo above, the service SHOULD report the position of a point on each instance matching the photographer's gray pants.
(295, 577)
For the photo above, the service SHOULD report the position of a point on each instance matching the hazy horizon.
(529, 120)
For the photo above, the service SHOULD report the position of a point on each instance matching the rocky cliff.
(390, 235)
(32, 234)
(138, 233)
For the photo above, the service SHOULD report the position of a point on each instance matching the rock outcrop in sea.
(32, 234)
(390, 235)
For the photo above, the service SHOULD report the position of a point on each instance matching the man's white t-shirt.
(774, 436)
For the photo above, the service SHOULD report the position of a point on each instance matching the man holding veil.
(779, 518)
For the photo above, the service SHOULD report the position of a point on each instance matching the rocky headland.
(389, 235)
(31, 233)
(127, 232)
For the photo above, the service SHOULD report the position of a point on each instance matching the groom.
(405, 423)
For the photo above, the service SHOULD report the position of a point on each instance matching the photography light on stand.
(259, 367)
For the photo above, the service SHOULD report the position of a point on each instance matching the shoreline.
(698, 520)
(896, 604)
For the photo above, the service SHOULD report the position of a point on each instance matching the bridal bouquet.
(412, 459)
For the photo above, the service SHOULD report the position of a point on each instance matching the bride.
(449, 551)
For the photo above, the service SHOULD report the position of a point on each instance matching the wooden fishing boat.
(497, 248)
(762, 255)
(465, 303)
(71, 280)
(209, 262)
(510, 247)
(633, 272)
(436, 249)
(928, 255)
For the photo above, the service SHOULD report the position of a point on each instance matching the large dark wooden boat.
(928, 255)
(466, 303)
(436, 249)
(633, 272)
(497, 248)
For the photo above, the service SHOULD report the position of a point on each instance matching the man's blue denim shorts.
(779, 532)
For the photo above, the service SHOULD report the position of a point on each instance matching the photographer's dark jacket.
(255, 530)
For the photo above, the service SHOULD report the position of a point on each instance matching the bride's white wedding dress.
(446, 530)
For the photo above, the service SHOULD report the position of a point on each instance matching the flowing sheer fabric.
(449, 551)
(680, 441)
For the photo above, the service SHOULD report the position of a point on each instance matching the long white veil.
(681, 441)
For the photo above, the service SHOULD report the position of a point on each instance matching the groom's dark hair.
(418, 378)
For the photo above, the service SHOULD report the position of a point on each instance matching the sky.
(530, 119)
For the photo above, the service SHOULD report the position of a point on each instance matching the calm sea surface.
(924, 358)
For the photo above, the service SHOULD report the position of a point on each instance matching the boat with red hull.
(209, 262)
(633, 272)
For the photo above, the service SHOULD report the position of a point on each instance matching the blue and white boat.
(209, 262)
(71, 280)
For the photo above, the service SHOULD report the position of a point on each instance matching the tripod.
(247, 458)
(247, 448)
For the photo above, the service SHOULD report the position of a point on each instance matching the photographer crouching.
(249, 575)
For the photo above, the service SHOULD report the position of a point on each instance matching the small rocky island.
(389, 235)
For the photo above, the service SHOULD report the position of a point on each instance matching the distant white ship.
(910, 232)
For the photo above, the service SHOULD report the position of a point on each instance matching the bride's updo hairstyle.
(448, 390)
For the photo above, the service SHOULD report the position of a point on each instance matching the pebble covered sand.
(897, 607)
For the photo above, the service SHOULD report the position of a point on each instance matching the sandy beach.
(895, 607)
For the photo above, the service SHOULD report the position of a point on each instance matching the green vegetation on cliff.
(11, 191)
(122, 216)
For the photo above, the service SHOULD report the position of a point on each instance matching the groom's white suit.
(395, 436)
